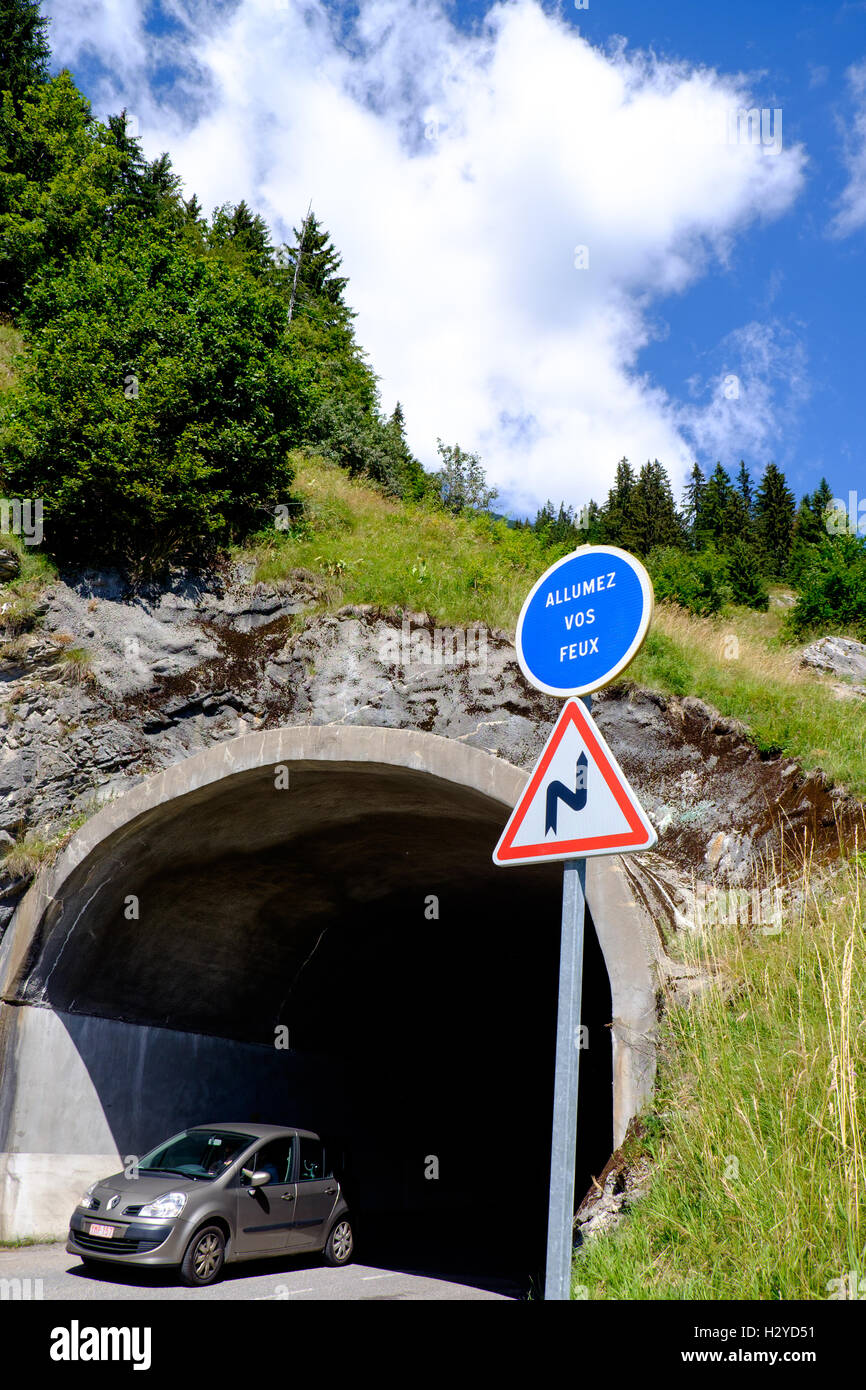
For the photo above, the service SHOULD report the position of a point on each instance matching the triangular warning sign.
(577, 802)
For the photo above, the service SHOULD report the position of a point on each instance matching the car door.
(266, 1215)
(317, 1192)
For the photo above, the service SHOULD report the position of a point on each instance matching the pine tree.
(618, 527)
(774, 521)
(718, 511)
(24, 51)
(147, 188)
(810, 525)
(411, 480)
(810, 530)
(692, 499)
(317, 280)
(321, 331)
(655, 520)
(745, 491)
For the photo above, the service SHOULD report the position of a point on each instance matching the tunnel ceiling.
(245, 891)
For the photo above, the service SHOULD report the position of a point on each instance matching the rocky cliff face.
(114, 685)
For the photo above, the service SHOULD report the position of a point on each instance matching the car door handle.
(288, 1196)
(329, 1191)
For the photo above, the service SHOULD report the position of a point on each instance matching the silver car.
(214, 1194)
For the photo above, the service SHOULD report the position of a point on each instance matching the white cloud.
(852, 210)
(460, 248)
(762, 378)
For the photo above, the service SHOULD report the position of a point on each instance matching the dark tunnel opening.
(444, 1034)
(417, 984)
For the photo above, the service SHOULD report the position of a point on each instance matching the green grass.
(20, 598)
(367, 549)
(785, 707)
(37, 846)
(11, 343)
(757, 1187)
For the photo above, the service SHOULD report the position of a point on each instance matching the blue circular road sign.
(584, 620)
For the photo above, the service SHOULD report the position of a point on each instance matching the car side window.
(275, 1158)
(313, 1164)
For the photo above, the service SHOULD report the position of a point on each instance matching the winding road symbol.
(558, 791)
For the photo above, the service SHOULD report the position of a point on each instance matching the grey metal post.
(560, 1215)
(560, 1219)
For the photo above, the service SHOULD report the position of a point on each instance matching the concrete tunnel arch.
(98, 1009)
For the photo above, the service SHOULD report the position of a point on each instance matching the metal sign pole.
(560, 1212)
(560, 1219)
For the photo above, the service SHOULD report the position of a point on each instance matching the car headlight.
(88, 1201)
(170, 1204)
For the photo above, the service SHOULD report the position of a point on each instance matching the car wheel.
(204, 1258)
(340, 1244)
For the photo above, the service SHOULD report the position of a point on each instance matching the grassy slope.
(370, 550)
(758, 1172)
(755, 1132)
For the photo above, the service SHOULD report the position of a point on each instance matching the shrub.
(748, 586)
(697, 581)
(159, 406)
(832, 589)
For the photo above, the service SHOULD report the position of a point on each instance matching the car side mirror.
(259, 1178)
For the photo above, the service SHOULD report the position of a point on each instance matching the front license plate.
(94, 1230)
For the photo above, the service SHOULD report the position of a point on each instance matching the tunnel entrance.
(443, 1031)
(342, 955)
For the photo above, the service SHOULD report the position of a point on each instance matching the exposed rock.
(622, 1182)
(209, 657)
(10, 565)
(841, 656)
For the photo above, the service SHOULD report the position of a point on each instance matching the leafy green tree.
(774, 521)
(60, 175)
(461, 483)
(160, 405)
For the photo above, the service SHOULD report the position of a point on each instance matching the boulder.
(10, 565)
(842, 656)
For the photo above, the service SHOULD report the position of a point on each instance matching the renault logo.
(112, 1202)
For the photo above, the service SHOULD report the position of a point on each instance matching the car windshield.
(197, 1153)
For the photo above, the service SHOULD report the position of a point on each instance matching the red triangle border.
(573, 714)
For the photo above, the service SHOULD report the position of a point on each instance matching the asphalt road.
(296, 1280)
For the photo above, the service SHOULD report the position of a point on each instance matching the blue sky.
(460, 154)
